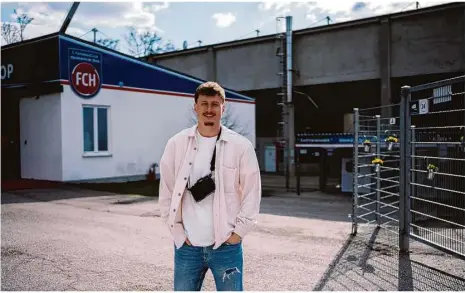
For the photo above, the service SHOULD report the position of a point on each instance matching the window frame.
(96, 152)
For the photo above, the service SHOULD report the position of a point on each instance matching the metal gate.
(377, 167)
(409, 166)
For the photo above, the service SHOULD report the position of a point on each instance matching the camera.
(202, 188)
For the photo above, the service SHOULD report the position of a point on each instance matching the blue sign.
(125, 73)
(336, 138)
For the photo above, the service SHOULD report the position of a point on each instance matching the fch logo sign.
(85, 76)
(85, 79)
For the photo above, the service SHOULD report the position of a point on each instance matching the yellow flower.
(377, 161)
(392, 139)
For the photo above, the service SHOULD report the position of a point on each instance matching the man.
(210, 192)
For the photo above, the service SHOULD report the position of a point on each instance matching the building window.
(95, 122)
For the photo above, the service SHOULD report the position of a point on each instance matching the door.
(347, 177)
(11, 164)
(270, 158)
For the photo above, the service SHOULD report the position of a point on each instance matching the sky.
(209, 22)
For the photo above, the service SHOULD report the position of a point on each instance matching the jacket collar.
(224, 132)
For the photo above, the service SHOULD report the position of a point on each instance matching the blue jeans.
(192, 263)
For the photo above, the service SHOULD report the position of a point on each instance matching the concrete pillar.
(385, 65)
(211, 65)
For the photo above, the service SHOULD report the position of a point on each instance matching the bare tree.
(10, 33)
(169, 47)
(141, 44)
(109, 43)
(23, 20)
(13, 32)
(229, 120)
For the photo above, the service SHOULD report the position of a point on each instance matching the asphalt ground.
(74, 239)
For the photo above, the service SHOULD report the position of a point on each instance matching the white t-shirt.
(197, 217)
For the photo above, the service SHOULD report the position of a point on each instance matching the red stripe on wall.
(119, 88)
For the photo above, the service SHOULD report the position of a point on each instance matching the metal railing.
(409, 166)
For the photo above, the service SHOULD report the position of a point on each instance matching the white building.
(75, 111)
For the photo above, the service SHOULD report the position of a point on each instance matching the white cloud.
(45, 20)
(338, 11)
(344, 11)
(48, 18)
(224, 19)
(137, 14)
(277, 5)
(157, 7)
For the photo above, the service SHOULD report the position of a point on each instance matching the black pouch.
(205, 185)
(202, 188)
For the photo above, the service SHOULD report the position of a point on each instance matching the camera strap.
(212, 163)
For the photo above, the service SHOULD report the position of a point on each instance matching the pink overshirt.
(238, 191)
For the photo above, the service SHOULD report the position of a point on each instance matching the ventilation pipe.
(290, 120)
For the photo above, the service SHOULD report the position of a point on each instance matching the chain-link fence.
(409, 174)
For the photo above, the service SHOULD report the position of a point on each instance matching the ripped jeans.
(191, 263)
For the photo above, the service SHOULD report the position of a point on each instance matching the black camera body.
(202, 188)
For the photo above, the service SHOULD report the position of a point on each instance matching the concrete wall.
(337, 56)
(431, 44)
(197, 64)
(253, 66)
(40, 138)
(426, 41)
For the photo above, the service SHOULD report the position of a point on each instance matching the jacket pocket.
(229, 179)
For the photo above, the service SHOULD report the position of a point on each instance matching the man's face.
(209, 110)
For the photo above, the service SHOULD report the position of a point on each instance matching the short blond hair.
(210, 88)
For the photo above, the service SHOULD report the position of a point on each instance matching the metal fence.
(377, 185)
(437, 164)
(409, 174)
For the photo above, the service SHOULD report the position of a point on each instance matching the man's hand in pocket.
(234, 239)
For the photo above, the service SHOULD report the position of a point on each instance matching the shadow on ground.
(312, 205)
(66, 192)
(366, 264)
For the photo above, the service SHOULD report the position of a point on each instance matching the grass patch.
(143, 187)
